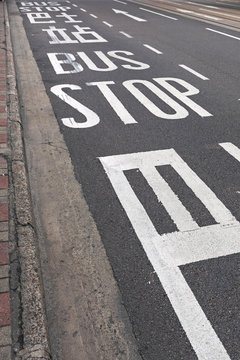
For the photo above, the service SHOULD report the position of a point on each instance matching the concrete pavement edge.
(29, 330)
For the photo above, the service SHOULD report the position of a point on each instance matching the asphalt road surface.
(148, 104)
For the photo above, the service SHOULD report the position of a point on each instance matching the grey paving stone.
(5, 336)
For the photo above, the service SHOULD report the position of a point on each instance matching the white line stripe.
(210, 17)
(74, 5)
(121, 2)
(193, 72)
(198, 14)
(209, 6)
(219, 32)
(232, 150)
(157, 13)
(199, 330)
(83, 10)
(152, 48)
(220, 13)
(180, 215)
(106, 23)
(125, 34)
(94, 16)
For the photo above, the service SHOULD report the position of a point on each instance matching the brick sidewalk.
(5, 326)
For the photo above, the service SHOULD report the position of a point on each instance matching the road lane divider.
(220, 13)
(190, 12)
(94, 16)
(224, 34)
(125, 34)
(106, 23)
(128, 15)
(193, 72)
(152, 49)
(159, 14)
(121, 2)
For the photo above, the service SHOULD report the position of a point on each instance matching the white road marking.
(157, 13)
(232, 150)
(152, 48)
(125, 34)
(185, 11)
(193, 72)
(94, 16)
(210, 17)
(128, 15)
(220, 13)
(209, 6)
(192, 243)
(106, 23)
(222, 33)
(198, 14)
(121, 2)
(74, 5)
(83, 10)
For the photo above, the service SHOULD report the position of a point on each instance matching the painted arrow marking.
(127, 14)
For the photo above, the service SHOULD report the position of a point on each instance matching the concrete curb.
(34, 343)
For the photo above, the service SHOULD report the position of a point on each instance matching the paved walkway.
(5, 325)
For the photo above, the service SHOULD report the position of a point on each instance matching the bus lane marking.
(189, 244)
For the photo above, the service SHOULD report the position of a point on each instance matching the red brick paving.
(3, 138)
(3, 212)
(4, 309)
(4, 257)
(3, 182)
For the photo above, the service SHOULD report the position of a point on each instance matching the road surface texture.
(147, 99)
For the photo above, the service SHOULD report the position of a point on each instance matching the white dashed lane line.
(152, 49)
(83, 10)
(125, 34)
(159, 14)
(94, 16)
(224, 34)
(106, 23)
(193, 72)
(121, 2)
